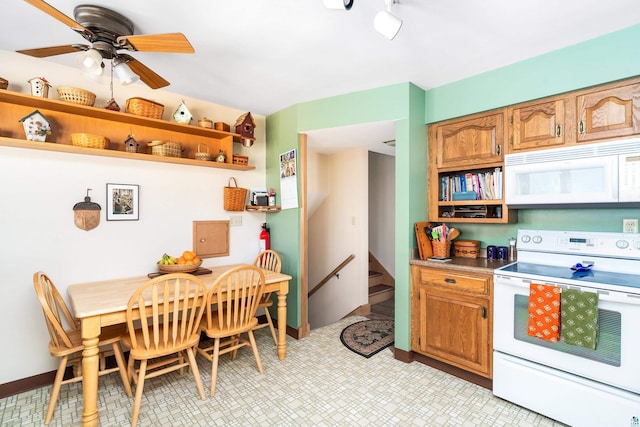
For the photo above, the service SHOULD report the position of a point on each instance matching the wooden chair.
(163, 317)
(269, 260)
(66, 341)
(231, 310)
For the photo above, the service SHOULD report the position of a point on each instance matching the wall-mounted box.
(211, 238)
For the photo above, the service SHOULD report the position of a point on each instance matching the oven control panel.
(625, 245)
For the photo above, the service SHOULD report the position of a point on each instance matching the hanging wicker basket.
(234, 197)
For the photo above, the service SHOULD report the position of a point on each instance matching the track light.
(91, 61)
(338, 4)
(386, 23)
(124, 73)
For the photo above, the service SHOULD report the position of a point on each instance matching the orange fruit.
(188, 255)
(181, 261)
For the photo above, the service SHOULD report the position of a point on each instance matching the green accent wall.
(402, 103)
(604, 59)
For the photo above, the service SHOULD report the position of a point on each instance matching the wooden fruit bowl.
(179, 268)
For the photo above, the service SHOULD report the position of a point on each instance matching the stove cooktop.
(554, 273)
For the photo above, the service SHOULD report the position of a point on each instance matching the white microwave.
(604, 174)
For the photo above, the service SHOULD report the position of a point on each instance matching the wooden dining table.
(104, 303)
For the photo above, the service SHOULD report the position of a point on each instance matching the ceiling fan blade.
(43, 52)
(52, 11)
(170, 42)
(149, 77)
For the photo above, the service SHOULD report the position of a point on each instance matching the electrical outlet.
(629, 225)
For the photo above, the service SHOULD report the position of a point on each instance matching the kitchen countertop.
(473, 265)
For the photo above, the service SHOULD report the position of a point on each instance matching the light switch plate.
(235, 220)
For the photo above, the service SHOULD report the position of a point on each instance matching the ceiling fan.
(109, 32)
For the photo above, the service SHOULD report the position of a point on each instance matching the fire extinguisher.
(264, 238)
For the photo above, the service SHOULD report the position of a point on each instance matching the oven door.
(614, 361)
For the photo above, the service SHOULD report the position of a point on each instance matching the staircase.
(381, 284)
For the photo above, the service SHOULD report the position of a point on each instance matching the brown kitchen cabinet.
(609, 111)
(541, 124)
(470, 140)
(67, 118)
(452, 317)
(471, 149)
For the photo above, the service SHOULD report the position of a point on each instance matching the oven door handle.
(603, 294)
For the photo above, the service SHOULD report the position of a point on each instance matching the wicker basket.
(89, 141)
(76, 95)
(144, 107)
(179, 268)
(466, 248)
(234, 197)
(203, 155)
(441, 248)
(166, 148)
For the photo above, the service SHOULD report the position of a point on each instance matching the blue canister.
(492, 252)
(503, 253)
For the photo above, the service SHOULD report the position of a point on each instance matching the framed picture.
(122, 202)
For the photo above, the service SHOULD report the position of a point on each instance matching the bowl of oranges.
(185, 263)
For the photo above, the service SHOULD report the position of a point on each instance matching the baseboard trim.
(454, 370)
(26, 384)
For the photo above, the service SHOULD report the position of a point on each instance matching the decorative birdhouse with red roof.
(245, 126)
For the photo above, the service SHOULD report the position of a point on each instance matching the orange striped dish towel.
(544, 312)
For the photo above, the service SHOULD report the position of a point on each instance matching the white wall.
(336, 230)
(38, 190)
(382, 209)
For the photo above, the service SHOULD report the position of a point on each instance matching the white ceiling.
(266, 55)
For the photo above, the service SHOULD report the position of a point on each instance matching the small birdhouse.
(182, 114)
(36, 126)
(245, 126)
(130, 144)
(39, 87)
(86, 215)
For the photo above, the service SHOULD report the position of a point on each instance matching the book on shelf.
(487, 185)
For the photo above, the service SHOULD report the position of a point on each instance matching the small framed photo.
(122, 202)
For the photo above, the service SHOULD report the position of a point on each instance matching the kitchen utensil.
(453, 233)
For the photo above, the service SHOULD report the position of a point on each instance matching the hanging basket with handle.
(234, 197)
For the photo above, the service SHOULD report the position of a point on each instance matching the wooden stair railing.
(333, 273)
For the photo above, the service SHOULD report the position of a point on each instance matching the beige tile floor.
(321, 383)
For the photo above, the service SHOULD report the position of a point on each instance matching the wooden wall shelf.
(251, 208)
(67, 118)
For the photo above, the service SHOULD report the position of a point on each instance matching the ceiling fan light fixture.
(91, 62)
(386, 23)
(124, 73)
(338, 4)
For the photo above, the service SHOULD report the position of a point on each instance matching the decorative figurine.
(39, 87)
(221, 157)
(36, 126)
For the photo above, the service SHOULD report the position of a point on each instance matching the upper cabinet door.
(538, 125)
(609, 113)
(476, 140)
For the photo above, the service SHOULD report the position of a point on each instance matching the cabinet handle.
(581, 127)
(499, 150)
(558, 131)
(450, 280)
(484, 312)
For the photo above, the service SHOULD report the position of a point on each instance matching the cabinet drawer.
(459, 282)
